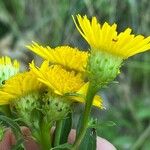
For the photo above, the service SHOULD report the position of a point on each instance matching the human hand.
(30, 144)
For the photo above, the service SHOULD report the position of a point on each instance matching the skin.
(30, 144)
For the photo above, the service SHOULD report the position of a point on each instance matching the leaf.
(108, 123)
(16, 130)
(89, 140)
(14, 126)
(99, 124)
(62, 146)
(66, 127)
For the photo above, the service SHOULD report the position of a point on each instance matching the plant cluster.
(43, 96)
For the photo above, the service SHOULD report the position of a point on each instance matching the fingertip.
(7, 141)
(29, 143)
(103, 144)
(72, 136)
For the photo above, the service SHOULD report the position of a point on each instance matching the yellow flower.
(18, 86)
(5, 60)
(62, 82)
(8, 68)
(58, 79)
(106, 39)
(66, 56)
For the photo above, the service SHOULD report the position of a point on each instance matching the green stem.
(45, 136)
(58, 132)
(84, 124)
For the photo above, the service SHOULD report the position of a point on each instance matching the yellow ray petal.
(104, 38)
(19, 85)
(57, 78)
(66, 56)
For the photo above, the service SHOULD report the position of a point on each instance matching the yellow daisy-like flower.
(18, 86)
(69, 57)
(63, 82)
(106, 39)
(8, 68)
(57, 78)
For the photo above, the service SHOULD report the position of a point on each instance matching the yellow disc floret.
(57, 78)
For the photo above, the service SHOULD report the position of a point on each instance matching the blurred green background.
(49, 22)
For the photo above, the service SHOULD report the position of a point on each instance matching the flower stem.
(45, 137)
(84, 124)
(58, 132)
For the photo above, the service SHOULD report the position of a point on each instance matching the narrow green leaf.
(64, 146)
(100, 124)
(16, 130)
(66, 127)
(12, 124)
(89, 140)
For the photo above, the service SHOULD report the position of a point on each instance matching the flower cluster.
(46, 94)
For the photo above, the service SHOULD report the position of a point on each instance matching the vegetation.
(49, 22)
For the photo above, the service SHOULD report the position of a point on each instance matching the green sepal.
(25, 107)
(55, 107)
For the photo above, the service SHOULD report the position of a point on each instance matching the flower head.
(105, 38)
(63, 82)
(57, 78)
(8, 68)
(66, 56)
(18, 86)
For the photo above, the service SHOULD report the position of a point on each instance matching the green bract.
(55, 107)
(102, 68)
